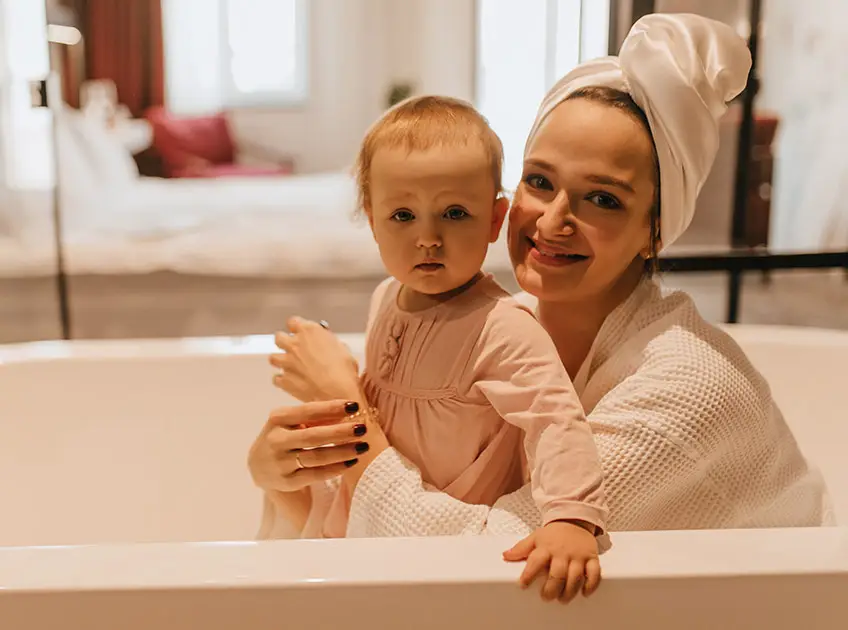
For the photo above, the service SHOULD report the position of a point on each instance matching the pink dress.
(473, 392)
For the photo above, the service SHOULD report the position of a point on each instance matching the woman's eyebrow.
(539, 164)
(611, 181)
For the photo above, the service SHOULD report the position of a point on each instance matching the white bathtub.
(106, 445)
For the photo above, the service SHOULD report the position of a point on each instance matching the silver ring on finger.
(323, 323)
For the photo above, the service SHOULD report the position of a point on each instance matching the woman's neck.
(573, 326)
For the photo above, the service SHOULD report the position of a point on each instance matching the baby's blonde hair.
(421, 123)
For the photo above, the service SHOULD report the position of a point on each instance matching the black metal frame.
(62, 294)
(746, 132)
(737, 261)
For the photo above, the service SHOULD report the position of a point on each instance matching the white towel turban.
(682, 70)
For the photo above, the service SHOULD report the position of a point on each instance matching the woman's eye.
(402, 216)
(605, 201)
(538, 181)
(455, 214)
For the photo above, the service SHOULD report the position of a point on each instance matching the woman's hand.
(315, 364)
(305, 444)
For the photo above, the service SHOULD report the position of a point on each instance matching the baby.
(461, 375)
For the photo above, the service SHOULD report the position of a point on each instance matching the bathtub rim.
(694, 554)
(252, 345)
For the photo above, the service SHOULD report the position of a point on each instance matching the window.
(513, 76)
(222, 54)
(26, 133)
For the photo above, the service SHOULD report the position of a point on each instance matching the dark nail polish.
(362, 447)
(351, 407)
(359, 430)
(350, 462)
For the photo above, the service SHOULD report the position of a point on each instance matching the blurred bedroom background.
(189, 174)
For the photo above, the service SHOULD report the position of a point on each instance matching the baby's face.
(433, 214)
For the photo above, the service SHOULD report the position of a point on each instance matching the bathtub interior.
(114, 442)
(806, 370)
(146, 445)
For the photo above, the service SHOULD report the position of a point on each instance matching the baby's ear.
(499, 211)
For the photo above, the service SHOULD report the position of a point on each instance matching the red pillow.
(183, 143)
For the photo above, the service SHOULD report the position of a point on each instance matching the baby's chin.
(431, 284)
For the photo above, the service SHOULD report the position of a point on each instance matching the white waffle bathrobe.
(688, 434)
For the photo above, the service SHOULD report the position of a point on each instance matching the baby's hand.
(567, 553)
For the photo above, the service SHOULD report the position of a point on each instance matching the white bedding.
(300, 226)
(116, 222)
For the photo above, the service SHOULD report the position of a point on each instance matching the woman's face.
(581, 215)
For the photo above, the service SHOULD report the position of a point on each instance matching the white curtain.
(512, 78)
(222, 54)
(805, 60)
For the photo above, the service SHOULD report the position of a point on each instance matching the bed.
(208, 256)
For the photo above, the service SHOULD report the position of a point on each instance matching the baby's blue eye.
(402, 216)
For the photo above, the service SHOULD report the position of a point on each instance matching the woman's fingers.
(308, 476)
(328, 455)
(284, 440)
(311, 413)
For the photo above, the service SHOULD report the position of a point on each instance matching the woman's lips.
(553, 258)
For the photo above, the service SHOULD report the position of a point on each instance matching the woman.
(687, 430)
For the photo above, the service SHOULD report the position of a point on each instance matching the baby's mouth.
(430, 266)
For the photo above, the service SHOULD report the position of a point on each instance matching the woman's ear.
(499, 211)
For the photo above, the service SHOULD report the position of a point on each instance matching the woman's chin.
(545, 283)
(528, 279)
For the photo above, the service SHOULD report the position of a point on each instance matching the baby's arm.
(517, 369)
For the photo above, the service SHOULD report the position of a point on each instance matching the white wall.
(357, 49)
(733, 12)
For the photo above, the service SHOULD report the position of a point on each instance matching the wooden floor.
(169, 305)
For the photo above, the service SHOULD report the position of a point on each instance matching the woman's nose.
(557, 219)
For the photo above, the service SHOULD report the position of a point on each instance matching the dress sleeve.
(516, 368)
